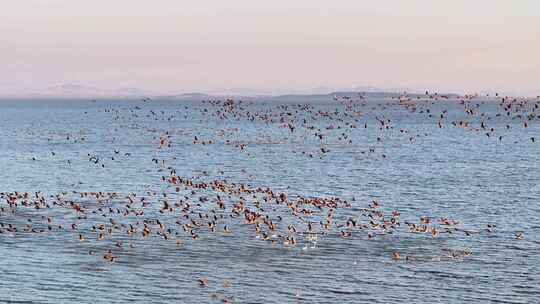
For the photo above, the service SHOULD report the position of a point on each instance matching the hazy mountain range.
(77, 91)
(83, 91)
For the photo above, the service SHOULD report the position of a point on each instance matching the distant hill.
(72, 90)
(190, 96)
(296, 98)
(82, 91)
(77, 91)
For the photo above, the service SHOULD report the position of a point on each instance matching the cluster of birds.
(196, 208)
(190, 209)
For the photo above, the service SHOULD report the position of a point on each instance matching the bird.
(203, 281)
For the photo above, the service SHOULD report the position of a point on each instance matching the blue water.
(413, 166)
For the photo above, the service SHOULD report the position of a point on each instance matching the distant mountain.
(9, 89)
(132, 92)
(82, 91)
(320, 90)
(324, 97)
(72, 90)
(190, 96)
(78, 91)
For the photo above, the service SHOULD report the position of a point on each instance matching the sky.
(170, 46)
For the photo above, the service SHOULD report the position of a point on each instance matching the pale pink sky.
(175, 45)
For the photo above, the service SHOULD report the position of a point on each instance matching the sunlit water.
(444, 172)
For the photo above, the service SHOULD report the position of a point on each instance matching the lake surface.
(349, 151)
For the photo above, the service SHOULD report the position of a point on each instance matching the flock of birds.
(189, 209)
